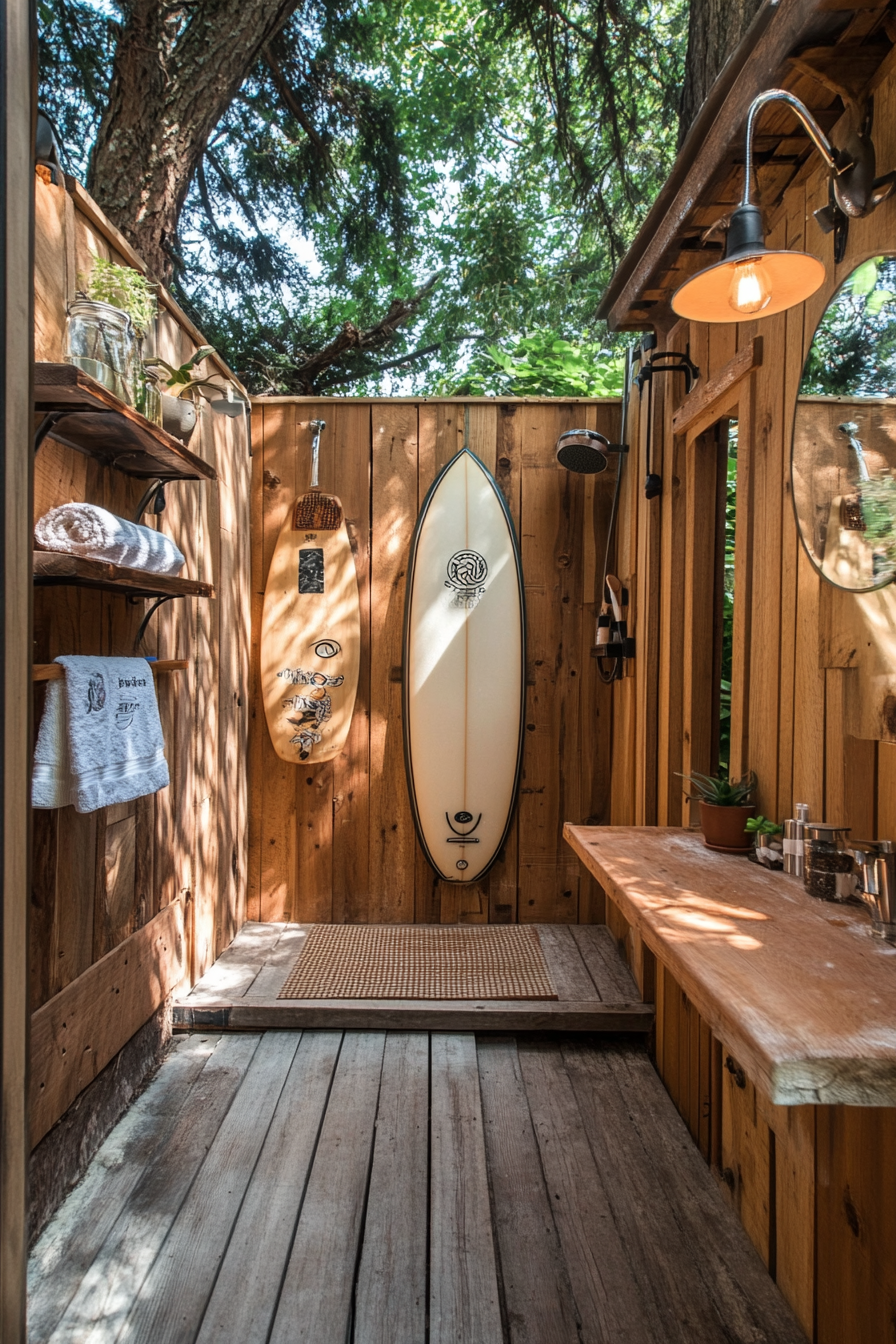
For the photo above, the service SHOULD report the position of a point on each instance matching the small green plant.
(878, 501)
(718, 790)
(763, 826)
(124, 288)
(180, 382)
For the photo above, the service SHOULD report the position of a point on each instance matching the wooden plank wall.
(100, 877)
(813, 1185)
(336, 841)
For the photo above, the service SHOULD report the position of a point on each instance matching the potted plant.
(178, 391)
(106, 324)
(724, 810)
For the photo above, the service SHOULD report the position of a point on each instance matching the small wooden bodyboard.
(310, 643)
(464, 671)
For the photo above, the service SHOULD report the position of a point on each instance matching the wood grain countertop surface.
(796, 988)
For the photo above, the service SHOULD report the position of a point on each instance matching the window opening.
(723, 624)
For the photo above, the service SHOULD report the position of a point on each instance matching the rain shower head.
(584, 451)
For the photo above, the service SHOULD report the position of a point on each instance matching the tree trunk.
(714, 29)
(176, 71)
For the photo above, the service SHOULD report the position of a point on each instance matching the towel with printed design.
(100, 739)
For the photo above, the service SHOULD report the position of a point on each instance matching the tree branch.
(353, 338)
(233, 190)
(353, 376)
(295, 108)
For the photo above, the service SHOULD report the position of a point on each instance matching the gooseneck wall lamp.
(751, 280)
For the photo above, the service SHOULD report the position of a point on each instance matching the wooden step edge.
(412, 1015)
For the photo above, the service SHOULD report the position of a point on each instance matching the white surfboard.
(464, 670)
(310, 650)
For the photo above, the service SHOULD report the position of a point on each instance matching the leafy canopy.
(512, 148)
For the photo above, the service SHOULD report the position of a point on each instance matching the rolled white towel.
(96, 534)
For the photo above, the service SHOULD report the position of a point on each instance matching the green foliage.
(728, 599)
(513, 147)
(719, 790)
(763, 826)
(878, 503)
(181, 381)
(126, 289)
(537, 365)
(853, 352)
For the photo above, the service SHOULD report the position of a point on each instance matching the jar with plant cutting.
(178, 388)
(768, 842)
(724, 810)
(105, 327)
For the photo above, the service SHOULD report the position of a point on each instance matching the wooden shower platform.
(401, 1188)
(595, 992)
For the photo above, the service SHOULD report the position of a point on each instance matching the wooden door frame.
(702, 459)
(17, 126)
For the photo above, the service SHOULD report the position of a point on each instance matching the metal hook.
(318, 426)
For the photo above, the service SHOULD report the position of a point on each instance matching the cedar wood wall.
(100, 877)
(336, 841)
(815, 1186)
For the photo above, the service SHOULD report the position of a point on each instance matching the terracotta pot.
(178, 416)
(725, 827)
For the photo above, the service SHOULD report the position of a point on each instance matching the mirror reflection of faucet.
(851, 429)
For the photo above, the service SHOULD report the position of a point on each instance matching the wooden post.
(18, 84)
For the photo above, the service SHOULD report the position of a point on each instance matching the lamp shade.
(790, 277)
(752, 281)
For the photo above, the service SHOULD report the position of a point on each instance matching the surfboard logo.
(463, 837)
(467, 572)
(327, 648)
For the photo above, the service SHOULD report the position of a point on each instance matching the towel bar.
(54, 671)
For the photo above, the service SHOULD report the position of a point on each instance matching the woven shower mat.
(420, 961)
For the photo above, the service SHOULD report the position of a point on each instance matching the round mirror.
(844, 434)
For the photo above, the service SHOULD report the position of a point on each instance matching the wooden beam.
(18, 80)
(707, 397)
(82, 1028)
(56, 672)
(261, 402)
(413, 1015)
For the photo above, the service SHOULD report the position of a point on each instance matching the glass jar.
(100, 340)
(152, 402)
(829, 871)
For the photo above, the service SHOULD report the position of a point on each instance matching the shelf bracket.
(46, 427)
(141, 633)
(155, 495)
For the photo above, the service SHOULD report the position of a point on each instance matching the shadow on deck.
(401, 1188)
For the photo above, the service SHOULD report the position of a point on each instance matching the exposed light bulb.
(750, 291)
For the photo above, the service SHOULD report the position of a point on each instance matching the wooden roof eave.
(779, 26)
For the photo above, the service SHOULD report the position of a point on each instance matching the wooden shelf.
(94, 421)
(56, 672)
(797, 989)
(53, 568)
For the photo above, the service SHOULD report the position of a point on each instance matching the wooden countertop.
(797, 989)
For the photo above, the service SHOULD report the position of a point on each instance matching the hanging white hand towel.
(96, 534)
(100, 740)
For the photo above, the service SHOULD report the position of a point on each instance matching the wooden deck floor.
(595, 991)
(401, 1188)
